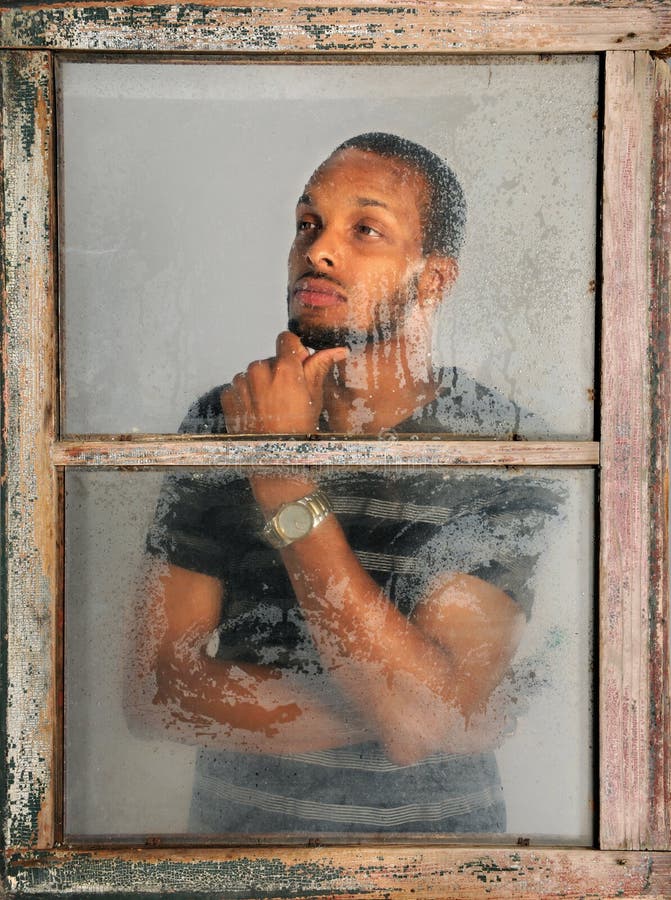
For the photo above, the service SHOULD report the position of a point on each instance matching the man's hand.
(283, 395)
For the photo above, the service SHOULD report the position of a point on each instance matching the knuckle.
(256, 365)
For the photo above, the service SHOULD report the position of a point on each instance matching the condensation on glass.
(209, 696)
(178, 190)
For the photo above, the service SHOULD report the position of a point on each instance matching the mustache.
(310, 273)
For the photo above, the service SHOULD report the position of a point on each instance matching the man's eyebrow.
(306, 200)
(370, 201)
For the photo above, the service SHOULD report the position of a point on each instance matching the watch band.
(317, 505)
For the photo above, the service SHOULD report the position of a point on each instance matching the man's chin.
(320, 338)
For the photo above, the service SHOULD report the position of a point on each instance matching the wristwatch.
(295, 520)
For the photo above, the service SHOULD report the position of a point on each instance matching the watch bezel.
(289, 508)
(316, 504)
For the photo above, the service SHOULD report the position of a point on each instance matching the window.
(633, 455)
(173, 277)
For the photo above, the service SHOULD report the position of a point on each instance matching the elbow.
(150, 687)
(465, 724)
(419, 730)
(408, 747)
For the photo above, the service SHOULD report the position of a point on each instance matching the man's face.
(356, 261)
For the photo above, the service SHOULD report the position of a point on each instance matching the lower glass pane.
(416, 661)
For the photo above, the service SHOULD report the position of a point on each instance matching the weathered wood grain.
(433, 873)
(189, 452)
(30, 492)
(635, 555)
(484, 26)
(623, 584)
(659, 361)
(634, 455)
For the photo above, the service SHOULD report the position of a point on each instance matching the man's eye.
(305, 225)
(369, 230)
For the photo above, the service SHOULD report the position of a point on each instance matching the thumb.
(289, 347)
(317, 366)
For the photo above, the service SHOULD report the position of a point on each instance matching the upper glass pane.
(179, 191)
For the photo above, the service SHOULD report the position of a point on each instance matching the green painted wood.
(400, 872)
(29, 484)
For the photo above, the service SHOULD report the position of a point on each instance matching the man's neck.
(380, 386)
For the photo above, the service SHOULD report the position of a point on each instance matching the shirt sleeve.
(191, 516)
(498, 529)
(196, 509)
(409, 528)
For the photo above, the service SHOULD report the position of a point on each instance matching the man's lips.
(316, 292)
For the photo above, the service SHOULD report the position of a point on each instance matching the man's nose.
(321, 252)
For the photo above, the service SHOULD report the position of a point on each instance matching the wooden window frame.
(634, 835)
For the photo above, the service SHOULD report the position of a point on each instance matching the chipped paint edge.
(271, 452)
(352, 872)
(37, 863)
(28, 432)
(477, 27)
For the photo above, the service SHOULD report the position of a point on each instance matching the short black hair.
(445, 215)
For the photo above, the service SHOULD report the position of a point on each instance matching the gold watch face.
(294, 521)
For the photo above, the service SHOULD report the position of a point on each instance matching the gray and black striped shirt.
(406, 528)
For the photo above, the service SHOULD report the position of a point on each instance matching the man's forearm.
(175, 688)
(245, 707)
(402, 681)
(409, 685)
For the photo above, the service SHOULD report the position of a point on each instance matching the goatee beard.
(324, 338)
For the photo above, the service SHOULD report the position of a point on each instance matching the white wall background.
(178, 189)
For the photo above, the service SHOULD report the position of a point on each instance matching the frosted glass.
(178, 188)
(527, 535)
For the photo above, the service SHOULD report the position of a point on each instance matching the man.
(333, 640)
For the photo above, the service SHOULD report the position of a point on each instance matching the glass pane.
(179, 185)
(417, 661)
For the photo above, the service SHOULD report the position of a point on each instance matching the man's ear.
(438, 276)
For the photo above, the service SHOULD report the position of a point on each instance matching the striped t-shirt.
(406, 528)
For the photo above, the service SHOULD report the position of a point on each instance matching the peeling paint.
(25, 100)
(583, 26)
(29, 582)
(344, 873)
(180, 451)
(246, 873)
(4, 548)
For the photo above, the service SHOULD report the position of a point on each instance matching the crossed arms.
(416, 685)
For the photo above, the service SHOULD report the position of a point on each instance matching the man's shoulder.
(464, 406)
(205, 415)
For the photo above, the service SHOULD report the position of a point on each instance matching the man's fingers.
(241, 385)
(236, 402)
(232, 411)
(290, 348)
(260, 373)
